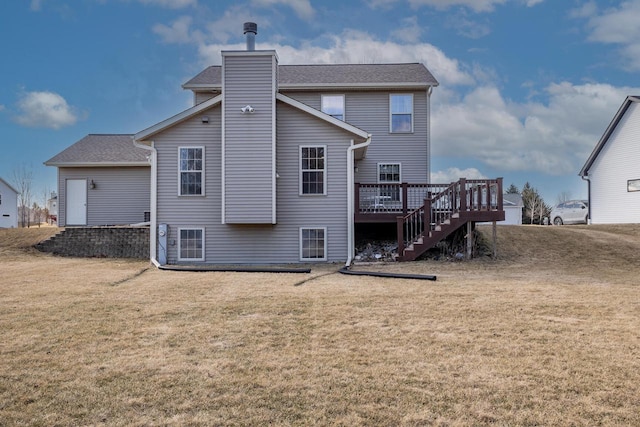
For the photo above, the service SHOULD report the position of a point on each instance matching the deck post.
(463, 194)
(469, 238)
(500, 196)
(405, 200)
(479, 196)
(427, 216)
(400, 233)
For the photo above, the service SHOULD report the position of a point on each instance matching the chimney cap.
(250, 27)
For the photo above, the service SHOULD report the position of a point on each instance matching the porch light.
(92, 185)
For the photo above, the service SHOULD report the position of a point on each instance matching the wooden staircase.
(445, 212)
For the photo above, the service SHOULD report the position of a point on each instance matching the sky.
(527, 87)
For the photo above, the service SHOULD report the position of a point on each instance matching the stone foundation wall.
(101, 242)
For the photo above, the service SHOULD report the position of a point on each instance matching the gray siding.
(617, 163)
(256, 244)
(121, 196)
(370, 111)
(200, 97)
(249, 138)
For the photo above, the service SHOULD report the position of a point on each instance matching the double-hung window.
(313, 173)
(313, 244)
(389, 173)
(333, 105)
(191, 244)
(401, 112)
(191, 171)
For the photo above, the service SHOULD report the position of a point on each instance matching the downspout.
(154, 201)
(429, 91)
(586, 178)
(350, 190)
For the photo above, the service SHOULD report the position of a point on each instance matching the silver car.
(571, 212)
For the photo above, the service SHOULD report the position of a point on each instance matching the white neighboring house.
(52, 208)
(8, 205)
(612, 169)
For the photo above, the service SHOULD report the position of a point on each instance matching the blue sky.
(527, 87)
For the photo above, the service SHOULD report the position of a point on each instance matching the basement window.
(191, 244)
(633, 185)
(313, 244)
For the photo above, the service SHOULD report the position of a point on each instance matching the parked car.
(571, 212)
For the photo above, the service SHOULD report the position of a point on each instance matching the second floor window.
(401, 112)
(191, 165)
(313, 175)
(333, 105)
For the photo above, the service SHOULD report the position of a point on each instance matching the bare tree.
(22, 179)
(565, 196)
(535, 209)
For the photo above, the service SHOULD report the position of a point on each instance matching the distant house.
(612, 169)
(52, 208)
(102, 180)
(8, 205)
(278, 164)
(513, 206)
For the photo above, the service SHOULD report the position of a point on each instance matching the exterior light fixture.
(248, 109)
(92, 185)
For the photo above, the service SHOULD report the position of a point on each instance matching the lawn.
(547, 334)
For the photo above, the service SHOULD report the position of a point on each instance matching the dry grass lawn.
(546, 335)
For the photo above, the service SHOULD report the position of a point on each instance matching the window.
(191, 165)
(333, 105)
(401, 109)
(633, 185)
(389, 173)
(313, 178)
(313, 244)
(191, 244)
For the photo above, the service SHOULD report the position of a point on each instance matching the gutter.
(350, 190)
(153, 227)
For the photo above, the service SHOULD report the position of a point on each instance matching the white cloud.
(171, 4)
(36, 5)
(409, 30)
(553, 138)
(617, 25)
(454, 174)
(302, 8)
(357, 47)
(475, 5)
(45, 109)
(177, 32)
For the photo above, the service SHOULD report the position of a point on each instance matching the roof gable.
(9, 186)
(101, 150)
(607, 134)
(178, 118)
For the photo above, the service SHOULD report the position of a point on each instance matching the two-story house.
(266, 166)
(280, 163)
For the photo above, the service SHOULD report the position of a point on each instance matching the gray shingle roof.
(359, 75)
(105, 150)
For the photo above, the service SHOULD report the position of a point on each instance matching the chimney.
(251, 29)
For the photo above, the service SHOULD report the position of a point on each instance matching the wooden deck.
(428, 213)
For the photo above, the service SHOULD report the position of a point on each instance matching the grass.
(545, 335)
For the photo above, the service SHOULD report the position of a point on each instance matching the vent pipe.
(251, 29)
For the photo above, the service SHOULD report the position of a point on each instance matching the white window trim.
(180, 244)
(391, 95)
(344, 107)
(324, 175)
(387, 164)
(326, 239)
(202, 172)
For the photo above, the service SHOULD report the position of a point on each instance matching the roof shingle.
(96, 149)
